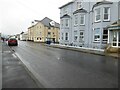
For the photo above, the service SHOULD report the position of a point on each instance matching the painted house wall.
(89, 23)
(119, 10)
(85, 28)
(24, 36)
(102, 24)
(39, 32)
(64, 29)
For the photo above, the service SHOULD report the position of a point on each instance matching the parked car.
(12, 41)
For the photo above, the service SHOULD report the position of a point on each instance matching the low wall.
(113, 50)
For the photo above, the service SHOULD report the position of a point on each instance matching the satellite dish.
(52, 23)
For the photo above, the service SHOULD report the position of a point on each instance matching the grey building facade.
(84, 24)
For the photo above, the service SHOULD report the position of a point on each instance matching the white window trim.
(75, 20)
(94, 35)
(83, 21)
(117, 40)
(108, 14)
(67, 36)
(96, 14)
(76, 39)
(62, 35)
(96, 39)
(81, 35)
(105, 40)
(68, 22)
(62, 25)
(76, 35)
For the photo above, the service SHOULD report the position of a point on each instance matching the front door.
(114, 39)
(53, 40)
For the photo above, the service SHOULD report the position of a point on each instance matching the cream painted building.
(44, 30)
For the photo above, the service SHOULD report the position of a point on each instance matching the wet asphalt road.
(14, 73)
(58, 68)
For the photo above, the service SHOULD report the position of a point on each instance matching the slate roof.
(66, 4)
(46, 21)
(30, 26)
(102, 2)
(114, 25)
(65, 16)
(80, 11)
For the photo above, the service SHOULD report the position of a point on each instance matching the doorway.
(116, 39)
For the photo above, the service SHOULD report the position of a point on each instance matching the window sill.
(76, 25)
(106, 20)
(97, 21)
(82, 24)
(96, 41)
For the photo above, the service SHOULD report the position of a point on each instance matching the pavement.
(0, 65)
(85, 50)
(15, 74)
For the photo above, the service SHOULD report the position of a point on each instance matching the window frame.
(106, 13)
(62, 23)
(97, 15)
(66, 22)
(98, 34)
(83, 19)
(105, 34)
(81, 36)
(75, 20)
(62, 36)
(75, 35)
(66, 36)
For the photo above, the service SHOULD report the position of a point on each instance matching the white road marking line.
(14, 55)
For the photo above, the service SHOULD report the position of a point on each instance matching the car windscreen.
(12, 39)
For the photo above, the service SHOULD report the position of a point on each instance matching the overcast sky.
(16, 15)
